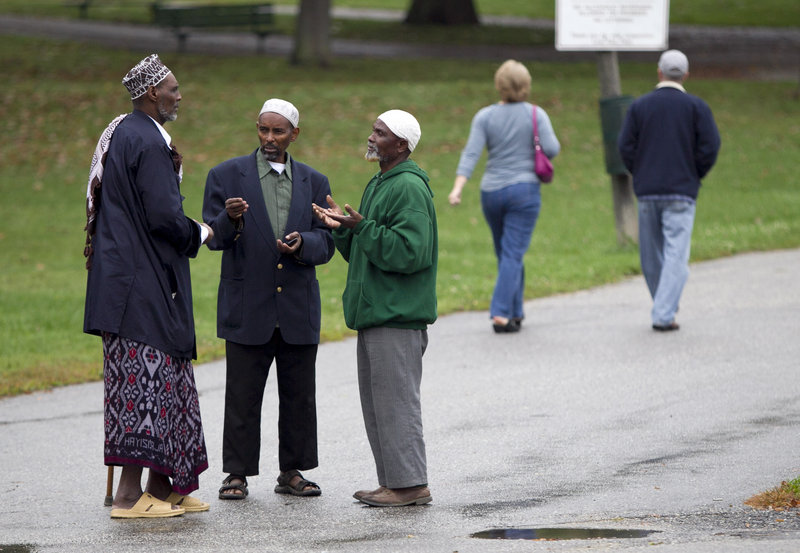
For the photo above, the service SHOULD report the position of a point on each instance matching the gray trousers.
(389, 377)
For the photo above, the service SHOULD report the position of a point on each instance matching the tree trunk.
(442, 12)
(312, 41)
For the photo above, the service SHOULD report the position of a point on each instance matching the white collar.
(671, 84)
(279, 167)
(164, 134)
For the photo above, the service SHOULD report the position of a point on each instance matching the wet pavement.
(587, 423)
(587, 419)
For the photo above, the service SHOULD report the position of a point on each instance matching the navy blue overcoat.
(139, 285)
(260, 287)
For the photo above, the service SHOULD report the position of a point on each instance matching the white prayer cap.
(403, 125)
(673, 64)
(148, 72)
(281, 107)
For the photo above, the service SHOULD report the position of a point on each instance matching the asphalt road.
(750, 52)
(585, 419)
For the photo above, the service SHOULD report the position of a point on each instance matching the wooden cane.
(109, 487)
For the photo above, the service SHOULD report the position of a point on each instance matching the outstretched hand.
(334, 217)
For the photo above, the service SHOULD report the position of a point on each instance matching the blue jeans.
(665, 239)
(511, 213)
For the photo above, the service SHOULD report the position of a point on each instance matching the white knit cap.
(673, 64)
(282, 107)
(403, 125)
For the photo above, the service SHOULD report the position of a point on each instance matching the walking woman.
(510, 195)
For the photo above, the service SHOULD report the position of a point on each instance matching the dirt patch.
(779, 498)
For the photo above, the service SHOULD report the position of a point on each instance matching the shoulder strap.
(535, 129)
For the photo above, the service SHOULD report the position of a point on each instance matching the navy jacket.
(139, 285)
(260, 288)
(669, 141)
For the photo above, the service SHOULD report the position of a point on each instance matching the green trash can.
(612, 114)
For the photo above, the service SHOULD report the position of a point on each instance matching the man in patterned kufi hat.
(139, 300)
(149, 72)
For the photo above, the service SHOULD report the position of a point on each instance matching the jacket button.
(280, 265)
(280, 289)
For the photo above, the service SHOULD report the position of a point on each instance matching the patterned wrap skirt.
(152, 413)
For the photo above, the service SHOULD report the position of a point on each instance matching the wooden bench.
(84, 5)
(257, 18)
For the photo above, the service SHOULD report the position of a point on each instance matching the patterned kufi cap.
(148, 72)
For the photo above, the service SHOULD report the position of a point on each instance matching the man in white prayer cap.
(139, 300)
(391, 246)
(259, 206)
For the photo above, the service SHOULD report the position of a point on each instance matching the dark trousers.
(247, 368)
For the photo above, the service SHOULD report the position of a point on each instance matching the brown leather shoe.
(361, 493)
(399, 497)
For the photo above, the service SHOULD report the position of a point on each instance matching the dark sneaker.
(667, 327)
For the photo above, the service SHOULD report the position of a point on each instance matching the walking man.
(669, 142)
(391, 245)
(268, 307)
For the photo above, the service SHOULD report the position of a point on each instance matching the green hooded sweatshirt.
(392, 253)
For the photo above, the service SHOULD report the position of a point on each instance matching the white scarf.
(96, 168)
(95, 182)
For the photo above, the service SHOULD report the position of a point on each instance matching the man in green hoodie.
(391, 246)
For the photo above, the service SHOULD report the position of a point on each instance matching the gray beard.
(167, 116)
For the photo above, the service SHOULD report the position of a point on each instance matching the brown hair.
(513, 81)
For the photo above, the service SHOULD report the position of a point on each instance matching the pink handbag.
(541, 163)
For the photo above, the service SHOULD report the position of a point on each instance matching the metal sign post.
(608, 26)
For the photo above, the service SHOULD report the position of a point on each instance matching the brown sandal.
(225, 492)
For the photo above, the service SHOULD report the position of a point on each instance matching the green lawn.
(55, 103)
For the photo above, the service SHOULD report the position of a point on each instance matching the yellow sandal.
(148, 507)
(188, 503)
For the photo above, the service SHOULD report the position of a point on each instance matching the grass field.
(56, 102)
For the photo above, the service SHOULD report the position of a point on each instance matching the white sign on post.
(610, 25)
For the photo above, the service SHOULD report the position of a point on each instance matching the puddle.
(17, 548)
(560, 534)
